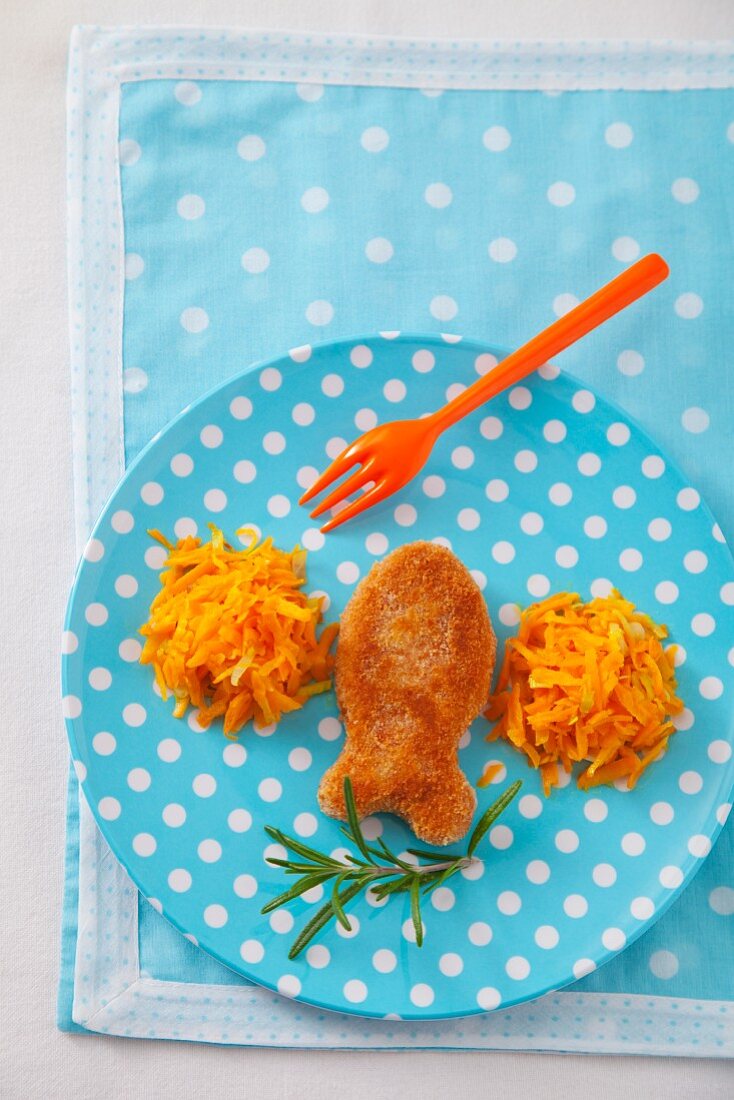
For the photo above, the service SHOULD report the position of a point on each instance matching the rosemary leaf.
(322, 918)
(304, 850)
(306, 883)
(442, 876)
(415, 910)
(380, 870)
(395, 886)
(490, 816)
(392, 858)
(337, 906)
(353, 819)
(434, 857)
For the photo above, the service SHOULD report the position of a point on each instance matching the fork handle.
(587, 315)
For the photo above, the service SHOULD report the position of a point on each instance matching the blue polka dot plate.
(547, 488)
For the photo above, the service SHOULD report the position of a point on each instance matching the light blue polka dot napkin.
(273, 192)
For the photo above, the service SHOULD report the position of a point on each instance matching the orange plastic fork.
(391, 454)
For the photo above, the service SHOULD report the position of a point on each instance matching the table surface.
(36, 1061)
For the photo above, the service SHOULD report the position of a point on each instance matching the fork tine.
(339, 466)
(373, 496)
(355, 481)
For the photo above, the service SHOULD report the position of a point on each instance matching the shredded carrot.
(490, 771)
(232, 633)
(586, 682)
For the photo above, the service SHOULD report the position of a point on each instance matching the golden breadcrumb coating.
(413, 669)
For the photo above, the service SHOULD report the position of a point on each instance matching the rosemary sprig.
(375, 866)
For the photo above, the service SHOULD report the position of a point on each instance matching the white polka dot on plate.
(567, 556)
(468, 519)
(589, 464)
(703, 624)
(144, 844)
(699, 845)
(503, 552)
(517, 967)
(695, 561)
(554, 431)
(547, 937)
(204, 785)
(305, 824)
(270, 789)
(279, 506)
(122, 522)
(526, 461)
(394, 390)
(180, 880)
(274, 443)
(653, 466)
(252, 951)
(711, 687)
(240, 408)
(537, 871)
(618, 434)
(360, 356)
(633, 844)
(109, 808)
(365, 419)
(239, 820)
(491, 428)
(575, 906)
(355, 991)
(566, 840)
(531, 523)
(661, 813)
(215, 500)
(670, 877)
(583, 401)
(173, 815)
(613, 939)
(719, 752)
(538, 585)
(560, 494)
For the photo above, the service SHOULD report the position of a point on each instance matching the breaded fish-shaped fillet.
(413, 669)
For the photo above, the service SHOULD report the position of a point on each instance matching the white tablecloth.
(36, 1061)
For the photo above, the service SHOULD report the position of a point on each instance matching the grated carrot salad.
(231, 632)
(586, 682)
